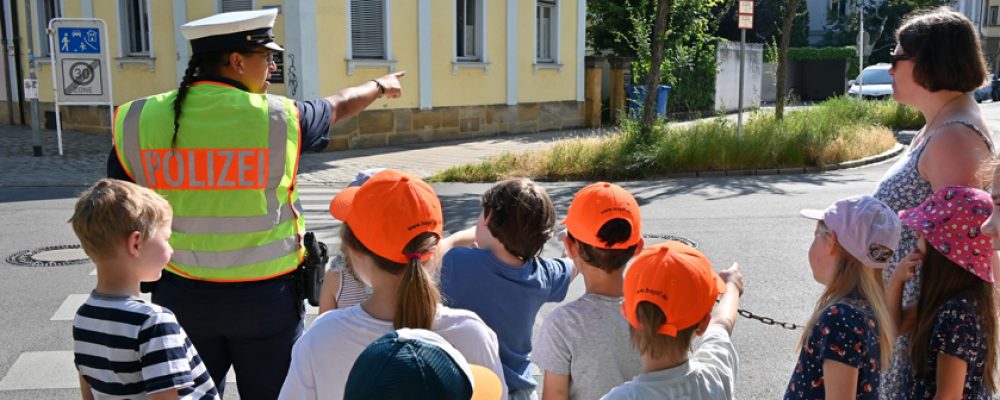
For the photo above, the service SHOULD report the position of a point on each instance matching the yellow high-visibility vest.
(230, 178)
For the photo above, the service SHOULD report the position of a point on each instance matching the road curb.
(894, 151)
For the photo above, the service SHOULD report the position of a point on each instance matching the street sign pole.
(861, 50)
(739, 122)
(36, 136)
(745, 21)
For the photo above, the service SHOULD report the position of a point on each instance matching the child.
(953, 351)
(125, 347)
(583, 346)
(848, 338)
(392, 227)
(418, 364)
(341, 289)
(505, 281)
(669, 293)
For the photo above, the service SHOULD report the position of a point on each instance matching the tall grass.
(834, 131)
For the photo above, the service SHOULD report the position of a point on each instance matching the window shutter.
(237, 5)
(368, 29)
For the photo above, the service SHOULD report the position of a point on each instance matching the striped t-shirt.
(126, 348)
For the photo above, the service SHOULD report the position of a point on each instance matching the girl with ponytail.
(391, 237)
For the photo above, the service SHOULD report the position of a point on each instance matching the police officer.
(224, 154)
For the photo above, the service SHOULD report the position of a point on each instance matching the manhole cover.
(664, 237)
(50, 256)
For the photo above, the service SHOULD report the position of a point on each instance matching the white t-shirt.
(588, 340)
(323, 357)
(709, 374)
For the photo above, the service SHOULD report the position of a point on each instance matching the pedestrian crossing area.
(54, 369)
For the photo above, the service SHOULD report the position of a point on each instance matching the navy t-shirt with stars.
(957, 332)
(846, 332)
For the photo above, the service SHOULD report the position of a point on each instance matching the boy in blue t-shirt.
(505, 280)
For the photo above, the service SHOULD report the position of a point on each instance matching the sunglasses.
(268, 54)
(895, 58)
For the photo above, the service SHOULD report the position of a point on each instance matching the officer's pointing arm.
(351, 101)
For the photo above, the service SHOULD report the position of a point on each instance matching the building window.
(235, 5)
(46, 10)
(839, 7)
(469, 30)
(368, 38)
(546, 31)
(135, 28)
(994, 10)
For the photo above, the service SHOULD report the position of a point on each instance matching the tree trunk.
(649, 106)
(791, 8)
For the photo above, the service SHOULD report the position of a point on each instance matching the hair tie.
(422, 256)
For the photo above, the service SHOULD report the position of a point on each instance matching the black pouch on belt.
(313, 268)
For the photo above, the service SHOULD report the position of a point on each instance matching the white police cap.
(232, 31)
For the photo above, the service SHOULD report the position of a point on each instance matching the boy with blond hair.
(504, 280)
(670, 290)
(125, 347)
(583, 345)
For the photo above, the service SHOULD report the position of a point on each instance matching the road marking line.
(34, 370)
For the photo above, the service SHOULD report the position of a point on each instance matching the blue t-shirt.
(846, 332)
(957, 332)
(507, 298)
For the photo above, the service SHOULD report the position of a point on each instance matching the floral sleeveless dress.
(903, 188)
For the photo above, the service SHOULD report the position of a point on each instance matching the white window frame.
(41, 34)
(125, 30)
(388, 62)
(554, 28)
(994, 18)
(469, 62)
(218, 5)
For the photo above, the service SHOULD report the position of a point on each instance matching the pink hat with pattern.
(950, 220)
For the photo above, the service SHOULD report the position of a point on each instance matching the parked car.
(877, 82)
(989, 91)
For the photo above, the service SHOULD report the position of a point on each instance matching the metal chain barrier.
(767, 320)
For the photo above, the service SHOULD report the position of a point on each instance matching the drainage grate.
(49, 256)
(684, 240)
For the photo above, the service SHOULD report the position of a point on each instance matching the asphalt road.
(750, 220)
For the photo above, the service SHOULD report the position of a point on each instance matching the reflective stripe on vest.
(211, 247)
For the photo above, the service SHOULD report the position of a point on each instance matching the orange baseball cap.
(388, 211)
(595, 205)
(678, 279)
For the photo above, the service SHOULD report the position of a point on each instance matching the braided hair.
(189, 77)
(201, 64)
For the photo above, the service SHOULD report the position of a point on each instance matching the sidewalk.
(85, 156)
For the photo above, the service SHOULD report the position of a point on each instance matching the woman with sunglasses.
(937, 62)
(225, 155)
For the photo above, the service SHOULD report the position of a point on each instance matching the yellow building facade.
(473, 67)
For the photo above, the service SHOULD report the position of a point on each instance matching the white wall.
(727, 81)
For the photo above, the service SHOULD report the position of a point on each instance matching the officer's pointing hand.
(393, 89)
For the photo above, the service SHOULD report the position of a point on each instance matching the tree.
(791, 7)
(656, 59)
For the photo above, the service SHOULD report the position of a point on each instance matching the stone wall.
(375, 128)
(90, 119)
